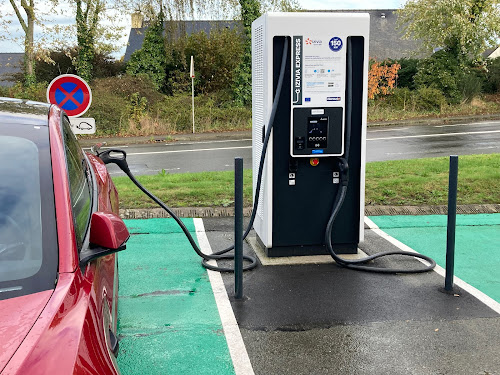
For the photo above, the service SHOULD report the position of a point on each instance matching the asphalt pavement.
(216, 151)
(175, 317)
(305, 318)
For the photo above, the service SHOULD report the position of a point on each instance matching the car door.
(100, 321)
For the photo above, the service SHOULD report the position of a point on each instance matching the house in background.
(10, 64)
(491, 53)
(385, 38)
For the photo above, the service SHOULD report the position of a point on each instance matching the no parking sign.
(71, 93)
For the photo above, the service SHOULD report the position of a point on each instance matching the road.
(387, 143)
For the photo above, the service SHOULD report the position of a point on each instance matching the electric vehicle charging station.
(309, 107)
(320, 119)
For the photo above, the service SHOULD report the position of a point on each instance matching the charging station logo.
(335, 44)
(313, 42)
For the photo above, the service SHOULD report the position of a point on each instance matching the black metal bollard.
(238, 228)
(452, 221)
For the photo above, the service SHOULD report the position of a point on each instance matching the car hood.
(18, 316)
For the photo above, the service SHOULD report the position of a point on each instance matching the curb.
(206, 212)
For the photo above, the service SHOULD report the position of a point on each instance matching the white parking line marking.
(237, 349)
(487, 300)
(432, 135)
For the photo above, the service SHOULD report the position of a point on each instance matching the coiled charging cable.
(359, 264)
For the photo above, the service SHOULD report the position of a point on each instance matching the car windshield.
(28, 246)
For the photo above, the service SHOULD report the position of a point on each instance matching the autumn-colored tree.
(382, 79)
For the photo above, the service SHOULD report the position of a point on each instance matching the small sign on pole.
(191, 74)
(81, 125)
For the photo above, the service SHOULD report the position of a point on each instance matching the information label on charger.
(319, 70)
(297, 62)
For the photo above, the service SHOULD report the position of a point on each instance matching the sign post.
(72, 94)
(191, 74)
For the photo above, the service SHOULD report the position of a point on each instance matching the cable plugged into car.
(119, 157)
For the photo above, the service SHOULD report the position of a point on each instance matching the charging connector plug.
(344, 171)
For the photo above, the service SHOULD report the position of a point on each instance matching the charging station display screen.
(317, 132)
(319, 69)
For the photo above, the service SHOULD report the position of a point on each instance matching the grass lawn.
(400, 182)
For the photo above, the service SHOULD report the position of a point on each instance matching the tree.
(151, 58)
(464, 28)
(92, 36)
(28, 26)
(87, 18)
(242, 87)
(250, 11)
(382, 78)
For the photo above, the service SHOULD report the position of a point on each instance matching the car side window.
(79, 183)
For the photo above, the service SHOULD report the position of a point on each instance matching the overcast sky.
(9, 46)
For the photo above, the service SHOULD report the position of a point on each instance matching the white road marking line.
(386, 130)
(237, 349)
(487, 300)
(106, 147)
(433, 135)
(197, 143)
(195, 150)
(471, 124)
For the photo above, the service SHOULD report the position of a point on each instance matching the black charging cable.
(119, 157)
(359, 264)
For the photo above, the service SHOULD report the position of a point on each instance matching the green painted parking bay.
(168, 320)
(477, 253)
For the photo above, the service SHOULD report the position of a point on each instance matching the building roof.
(385, 39)
(10, 63)
(491, 53)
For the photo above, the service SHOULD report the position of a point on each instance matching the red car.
(59, 230)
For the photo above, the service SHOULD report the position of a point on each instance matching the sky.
(8, 45)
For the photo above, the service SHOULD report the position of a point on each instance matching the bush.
(441, 71)
(470, 85)
(402, 99)
(131, 106)
(107, 66)
(63, 64)
(36, 92)
(216, 57)
(119, 100)
(429, 99)
(176, 65)
(407, 73)
(125, 86)
(210, 114)
(110, 113)
(103, 65)
(492, 79)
